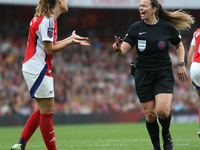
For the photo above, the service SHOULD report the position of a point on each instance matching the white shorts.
(40, 85)
(195, 74)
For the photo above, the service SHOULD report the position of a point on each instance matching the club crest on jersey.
(141, 45)
(161, 44)
(50, 32)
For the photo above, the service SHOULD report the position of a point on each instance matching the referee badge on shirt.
(50, 32)
(141, 45)
(161, 44)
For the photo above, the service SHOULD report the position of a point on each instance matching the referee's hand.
(182, 75)
(117, 45)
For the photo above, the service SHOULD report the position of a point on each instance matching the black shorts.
(150, 83)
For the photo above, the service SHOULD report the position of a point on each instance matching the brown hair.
(45, 8)
(180, 19)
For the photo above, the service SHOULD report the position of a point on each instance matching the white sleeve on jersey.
(47, 29)
(193, 42)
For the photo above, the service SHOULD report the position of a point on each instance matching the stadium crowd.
(87, 79)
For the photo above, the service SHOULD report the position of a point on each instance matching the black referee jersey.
(152, 43)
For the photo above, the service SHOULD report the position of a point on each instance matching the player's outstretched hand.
(117, 44)
(76, 39)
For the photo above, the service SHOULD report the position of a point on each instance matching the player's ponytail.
(179, 19)
(45, 8)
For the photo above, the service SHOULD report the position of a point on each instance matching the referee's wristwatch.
(181, 63)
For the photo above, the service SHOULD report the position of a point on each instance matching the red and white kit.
(37, 64)
(195, 66)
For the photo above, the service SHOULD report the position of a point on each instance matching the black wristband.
(181, 63)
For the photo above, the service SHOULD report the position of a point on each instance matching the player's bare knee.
(163, 114)
(150, 116)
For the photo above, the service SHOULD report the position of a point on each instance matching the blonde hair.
(180, 19)
(45, 8)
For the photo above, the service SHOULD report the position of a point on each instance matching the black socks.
(165, 124)
(153, 130)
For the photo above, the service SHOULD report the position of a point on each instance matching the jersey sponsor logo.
(161, 44)
(141, 45)
(50, 32)
(141, 33)
(51, 28)
(51, 23)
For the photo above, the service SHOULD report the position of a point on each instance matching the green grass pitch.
(128, 136)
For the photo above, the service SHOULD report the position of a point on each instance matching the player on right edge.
(194, 64)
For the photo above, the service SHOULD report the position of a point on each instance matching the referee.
(154, 76)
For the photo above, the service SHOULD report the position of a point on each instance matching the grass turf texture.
(104, 137)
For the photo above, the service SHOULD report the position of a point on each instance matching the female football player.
(194, 64)
(153, 76)
(41, 47)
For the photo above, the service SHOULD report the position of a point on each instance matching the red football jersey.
(196, 57)
(36, 60)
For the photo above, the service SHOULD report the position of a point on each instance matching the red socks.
(30, 127)
(46, 127)
(47, 130)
